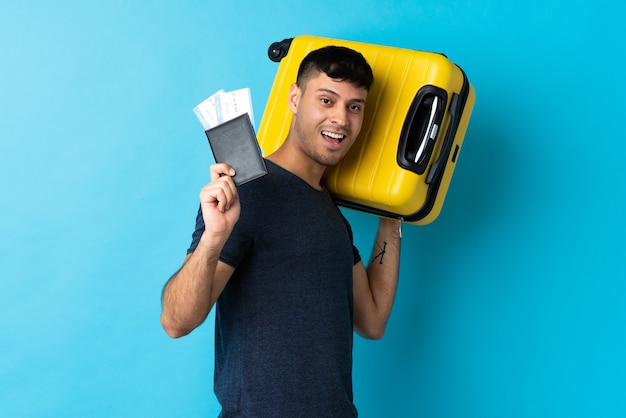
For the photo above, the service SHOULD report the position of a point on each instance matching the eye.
(356, 108)
(325, 100)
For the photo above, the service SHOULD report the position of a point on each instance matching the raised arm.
(190, 293)
(375, 287)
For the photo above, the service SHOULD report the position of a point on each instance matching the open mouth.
(333, 136)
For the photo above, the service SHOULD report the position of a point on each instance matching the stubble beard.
(308, 147)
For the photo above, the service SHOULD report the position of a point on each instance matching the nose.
(339, 116)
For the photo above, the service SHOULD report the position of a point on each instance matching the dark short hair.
(336, 62)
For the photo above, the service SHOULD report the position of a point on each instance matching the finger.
(221, 169)
(213, 196)
(221, 192)
(222, 199)
(229, 188)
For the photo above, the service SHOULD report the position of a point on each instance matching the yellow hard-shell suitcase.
(416, 117)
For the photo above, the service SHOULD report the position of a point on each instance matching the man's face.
(328, 115)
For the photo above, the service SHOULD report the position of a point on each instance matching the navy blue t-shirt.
(284, 322)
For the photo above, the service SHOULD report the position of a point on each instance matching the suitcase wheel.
(278, 50)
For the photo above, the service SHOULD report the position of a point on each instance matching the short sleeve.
(197, 233)
(355, 250)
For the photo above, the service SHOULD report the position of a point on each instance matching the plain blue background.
(511, 304)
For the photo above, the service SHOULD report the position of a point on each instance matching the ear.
(294, 98)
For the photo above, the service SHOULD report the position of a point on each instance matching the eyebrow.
(334, 93)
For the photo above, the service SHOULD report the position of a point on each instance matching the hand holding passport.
(227, 120)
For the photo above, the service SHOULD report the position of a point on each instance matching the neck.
(297, 163)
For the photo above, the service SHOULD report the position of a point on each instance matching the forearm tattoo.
(381, 254)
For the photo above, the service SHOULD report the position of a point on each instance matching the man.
(278, 257)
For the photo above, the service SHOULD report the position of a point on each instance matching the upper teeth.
(333, 135)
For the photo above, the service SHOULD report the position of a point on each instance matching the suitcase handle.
(430, 133)
(436, 169)
(420, 129)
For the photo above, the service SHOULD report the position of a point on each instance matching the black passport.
(234, 142)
